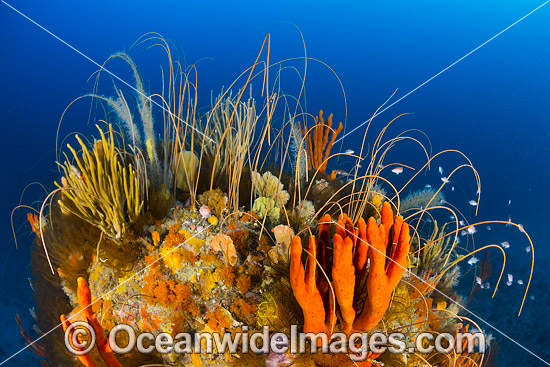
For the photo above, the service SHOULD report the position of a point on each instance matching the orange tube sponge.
(319, 145)
(304, 286)
(361, 255)
(386, 245)
(382, 282)
(342, 272)
(84, 296)
(85, 359)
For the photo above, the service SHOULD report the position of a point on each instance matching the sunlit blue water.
(493, 106)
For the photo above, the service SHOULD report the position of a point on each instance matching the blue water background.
(493, 106)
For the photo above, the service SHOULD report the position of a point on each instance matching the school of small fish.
(482, 285)
(471, 230)
(511, 281)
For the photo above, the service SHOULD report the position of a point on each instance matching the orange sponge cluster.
(385, 245)
(318, 142)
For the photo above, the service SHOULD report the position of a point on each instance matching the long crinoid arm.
(304, 287)
(383, 279)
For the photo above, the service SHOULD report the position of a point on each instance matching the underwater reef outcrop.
(183, 234)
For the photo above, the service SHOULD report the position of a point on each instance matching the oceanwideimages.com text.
(80, 339)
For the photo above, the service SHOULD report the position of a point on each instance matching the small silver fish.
(341, 172)
(440, 170)
(397, 170)
(349, 151)
(473, 260)
(505, 244)
(472, 202)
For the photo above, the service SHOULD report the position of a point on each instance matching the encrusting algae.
(212, 229)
